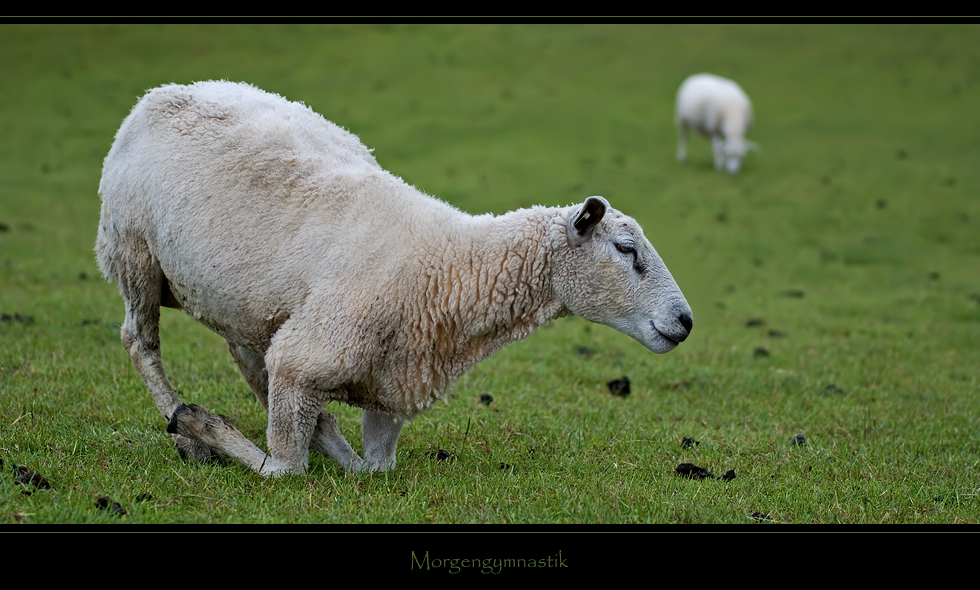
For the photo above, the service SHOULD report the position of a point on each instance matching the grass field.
(835, 281)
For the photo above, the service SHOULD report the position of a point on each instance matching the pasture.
(835, 281)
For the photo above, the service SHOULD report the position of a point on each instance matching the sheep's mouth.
(655, 340)
(670, 339)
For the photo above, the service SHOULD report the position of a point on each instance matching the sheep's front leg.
(681, 143)
(381, 431)
(718, 146)
(293, 416)
(327, 439)
(294, 412)
(218, 432)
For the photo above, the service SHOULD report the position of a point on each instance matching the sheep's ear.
(587, 218)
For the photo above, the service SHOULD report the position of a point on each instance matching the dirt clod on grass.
(16, 318)
(799, 439)
(441, 455)
(106, 503)
(692, 471)
(620, 387)
(30, 478)
(689, 442)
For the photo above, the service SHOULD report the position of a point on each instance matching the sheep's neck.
(490, 287)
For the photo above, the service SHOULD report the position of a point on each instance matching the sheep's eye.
(625, 249)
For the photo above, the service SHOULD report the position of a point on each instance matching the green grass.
(853, 235)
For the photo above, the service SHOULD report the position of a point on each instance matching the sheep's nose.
(687, 321)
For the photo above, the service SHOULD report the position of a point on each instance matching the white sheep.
(719, 109)
(332, 279)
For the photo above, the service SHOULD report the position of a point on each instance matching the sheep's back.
(250, 202)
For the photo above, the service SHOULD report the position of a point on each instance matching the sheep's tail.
(106, 245)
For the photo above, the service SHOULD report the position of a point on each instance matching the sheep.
(719, 109)
(333, 280)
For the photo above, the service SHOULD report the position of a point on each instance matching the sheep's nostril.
(687, 321)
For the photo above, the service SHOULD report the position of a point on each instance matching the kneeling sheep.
(332, 279)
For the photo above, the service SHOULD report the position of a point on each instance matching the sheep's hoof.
(190, 425)
(194, 450)
(369, 467)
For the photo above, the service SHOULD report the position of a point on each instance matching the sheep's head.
(609, 273)
(735, 149)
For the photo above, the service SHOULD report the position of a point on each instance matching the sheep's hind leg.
(381, 431)
(329, 441)
(141, 283)
(252, 367)
(218, 432)
(327, 438)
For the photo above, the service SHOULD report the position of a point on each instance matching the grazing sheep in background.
(332, 279)
(719, 109)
